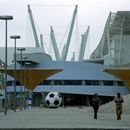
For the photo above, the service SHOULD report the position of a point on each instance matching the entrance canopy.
(122, 73)
(30, 78)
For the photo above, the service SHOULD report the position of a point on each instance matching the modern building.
(113, 48)
(77, 82)
(80, 79)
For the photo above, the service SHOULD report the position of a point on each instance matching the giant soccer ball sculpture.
(53, 100)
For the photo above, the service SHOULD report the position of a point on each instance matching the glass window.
(87, 82)
(68, 82)
(9, 83)
(77, 82)
(120, 83)
(95, 82)
(47, 82)
(59, 82)
(18, 83)
(108, 83)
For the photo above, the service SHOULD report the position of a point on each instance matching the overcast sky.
(90, 12)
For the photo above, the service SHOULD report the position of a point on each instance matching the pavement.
(61, 118)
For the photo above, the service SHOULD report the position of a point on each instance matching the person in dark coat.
(95, 104)
(118, 101)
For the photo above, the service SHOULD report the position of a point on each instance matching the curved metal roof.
(77, 70)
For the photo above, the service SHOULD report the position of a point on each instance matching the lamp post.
(29, 105)
(15, 37)
(24, 59)
(21, 50)
(6, 18)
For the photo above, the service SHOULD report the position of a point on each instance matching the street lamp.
(24, 59)
(29, 104)
(15, 37)
(6, 18)
(21, 50)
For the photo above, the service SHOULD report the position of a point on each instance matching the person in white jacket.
(119, 109)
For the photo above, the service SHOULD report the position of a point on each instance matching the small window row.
(83, 82)
(75, 82)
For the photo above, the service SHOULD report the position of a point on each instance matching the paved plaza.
(62, 118)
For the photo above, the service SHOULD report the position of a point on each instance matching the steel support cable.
(28, 31)
(65, 33)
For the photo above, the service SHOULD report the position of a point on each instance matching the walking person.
(95, 104)
(118, 101)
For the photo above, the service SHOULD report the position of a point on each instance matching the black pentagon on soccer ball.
(51, 95)
(56, 102)
(47, 102)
